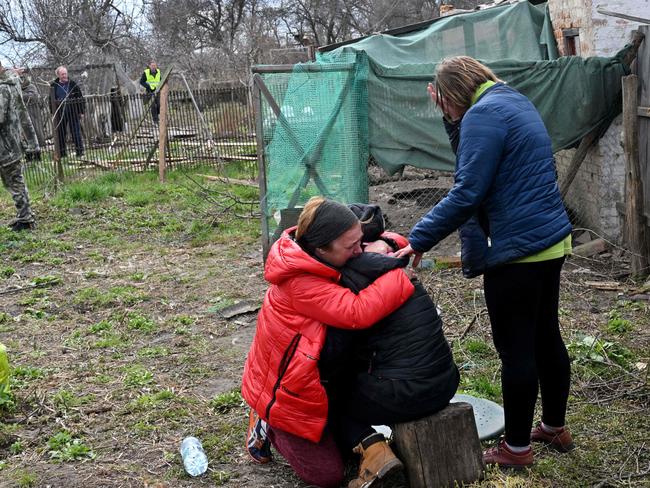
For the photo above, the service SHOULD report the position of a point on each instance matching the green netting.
(573, 94)
(318, 144)
(369, 97)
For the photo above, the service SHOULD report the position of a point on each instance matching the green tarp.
(573, 94)
(369, 97)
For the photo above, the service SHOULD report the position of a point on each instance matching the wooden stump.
(441, 450)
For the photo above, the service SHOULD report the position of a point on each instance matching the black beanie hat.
(372, 220)
(331, 219)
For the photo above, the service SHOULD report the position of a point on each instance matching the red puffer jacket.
(281, 380)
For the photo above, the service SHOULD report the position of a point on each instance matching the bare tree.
(69, 31)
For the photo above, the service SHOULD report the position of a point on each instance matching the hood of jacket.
(287, 259)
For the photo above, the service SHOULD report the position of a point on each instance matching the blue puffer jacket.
(505, 172)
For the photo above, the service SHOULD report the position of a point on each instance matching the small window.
(571, 42)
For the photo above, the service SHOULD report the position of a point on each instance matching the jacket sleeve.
(31, 142)
(143, 82)
(80, 97)
(482, 139)
(332, 304)
(5, 99)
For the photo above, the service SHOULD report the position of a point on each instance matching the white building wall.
(598, 189)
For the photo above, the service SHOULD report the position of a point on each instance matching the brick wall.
(599, 185)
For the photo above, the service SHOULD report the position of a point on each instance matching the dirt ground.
(113, 315)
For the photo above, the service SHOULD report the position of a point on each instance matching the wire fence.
(117, 133)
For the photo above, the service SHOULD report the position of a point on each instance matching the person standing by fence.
(150, 80)
(15, 125)
(68, 107)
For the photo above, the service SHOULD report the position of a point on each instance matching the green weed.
(480, 385)
(64, 447)
(16, 448)
(147, 401)
(140, 323)
(100, 327)
(617, 324)
(25, 479)
(225, 402)
(588, 350)
(6, 271)
(478, 347)
(137, 376)
(65, 400)
(92, 297)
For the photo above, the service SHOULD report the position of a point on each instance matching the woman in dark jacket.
(505, 174)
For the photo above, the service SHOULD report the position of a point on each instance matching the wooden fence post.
(635, 228)
(162, 131)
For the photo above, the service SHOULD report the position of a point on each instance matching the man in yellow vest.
(150, 80)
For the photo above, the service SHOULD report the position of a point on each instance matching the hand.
(407, 251)
(433, 93)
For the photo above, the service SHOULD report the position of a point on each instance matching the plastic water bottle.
(194, 458)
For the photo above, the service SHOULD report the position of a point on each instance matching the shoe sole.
(386, 473)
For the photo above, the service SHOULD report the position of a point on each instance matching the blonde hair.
(307, 215)
(458, 78)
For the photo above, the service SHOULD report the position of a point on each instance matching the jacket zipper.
(289, 352)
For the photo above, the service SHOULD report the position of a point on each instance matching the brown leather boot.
(377, 462)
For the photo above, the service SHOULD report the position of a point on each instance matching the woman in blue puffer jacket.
(514, 231)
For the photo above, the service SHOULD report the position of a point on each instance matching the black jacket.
(75, 102)
(404, 361)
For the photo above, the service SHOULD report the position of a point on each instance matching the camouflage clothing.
(15, 126)
(12, 179)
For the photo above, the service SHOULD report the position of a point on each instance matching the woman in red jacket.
(281, 377)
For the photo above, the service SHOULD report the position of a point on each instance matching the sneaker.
(505, 458)
(258, 444)
(20, 225)
(560, 441)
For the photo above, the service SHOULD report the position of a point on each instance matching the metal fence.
(204, 127)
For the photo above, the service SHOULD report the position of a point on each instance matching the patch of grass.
(25, 479)
(184, 319)
(100, 327)
(617, 324)
(201, 233)
(479, 348)
(17, 447)
(63, 447)
(225, 402)
(140, 323)
(481, 385)
(65, 400)
(112, 340)
(149, 401)
(93, 297)
(137, 376)
(588, 350)
(6, 271)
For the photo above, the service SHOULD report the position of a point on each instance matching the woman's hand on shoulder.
(407, 251)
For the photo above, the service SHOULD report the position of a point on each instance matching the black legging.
(522, 300)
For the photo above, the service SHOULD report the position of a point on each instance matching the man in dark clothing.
(68, 107)
(150, 80)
